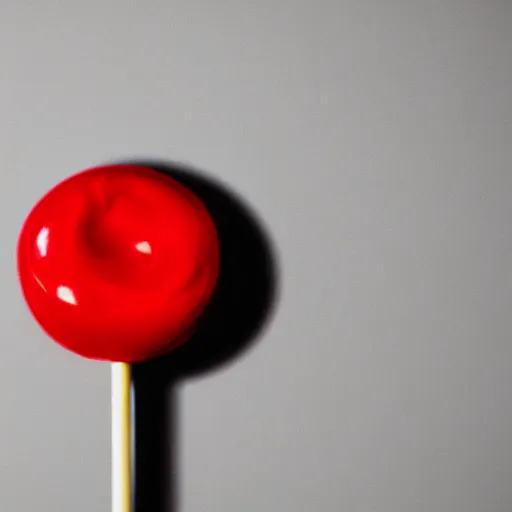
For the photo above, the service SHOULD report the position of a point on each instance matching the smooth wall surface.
(373, 138)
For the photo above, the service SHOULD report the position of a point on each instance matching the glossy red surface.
(116, 263)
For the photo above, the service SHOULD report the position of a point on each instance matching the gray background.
(374, 140)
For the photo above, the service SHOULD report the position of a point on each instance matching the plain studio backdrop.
(373, 140)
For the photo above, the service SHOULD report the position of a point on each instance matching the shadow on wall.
(244, 298)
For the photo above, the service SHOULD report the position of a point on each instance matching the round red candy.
(117, 263)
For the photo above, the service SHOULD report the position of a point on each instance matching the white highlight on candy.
(66, 294)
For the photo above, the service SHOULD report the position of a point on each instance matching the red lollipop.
(116, 263)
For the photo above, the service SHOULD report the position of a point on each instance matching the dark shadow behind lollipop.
(241, 304)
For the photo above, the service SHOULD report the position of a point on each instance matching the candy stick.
(116, 264)
(122, 497)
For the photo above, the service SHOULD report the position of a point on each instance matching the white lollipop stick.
(121, 438)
